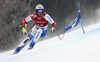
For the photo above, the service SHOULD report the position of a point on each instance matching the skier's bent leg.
(21, 45)
(43, 33)
(35, 39)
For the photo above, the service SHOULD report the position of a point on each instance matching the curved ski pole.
(20, 25)
(65, 31)
(63, 35)
(58, 35)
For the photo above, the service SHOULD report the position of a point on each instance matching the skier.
(41, 20)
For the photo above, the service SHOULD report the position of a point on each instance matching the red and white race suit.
(40, 28)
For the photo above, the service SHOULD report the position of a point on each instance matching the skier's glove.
(24, 30)
(52, 29)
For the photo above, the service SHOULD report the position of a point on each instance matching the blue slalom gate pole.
(80, 18)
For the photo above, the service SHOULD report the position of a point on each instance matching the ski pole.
(20, 25)
(58, 36)
(65, 31)
(63, 35)
(82, 26)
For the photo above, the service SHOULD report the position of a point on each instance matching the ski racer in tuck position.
(41, 20)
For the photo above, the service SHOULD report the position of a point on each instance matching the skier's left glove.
(24, 30)
(52, 29)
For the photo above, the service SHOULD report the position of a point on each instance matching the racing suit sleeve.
(50, 20)
(27, 19)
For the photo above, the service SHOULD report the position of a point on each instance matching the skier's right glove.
(24, 30)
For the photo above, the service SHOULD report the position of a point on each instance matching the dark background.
(63, 12)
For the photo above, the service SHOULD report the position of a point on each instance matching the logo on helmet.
(39, 6)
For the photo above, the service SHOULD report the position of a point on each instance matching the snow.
(75, 47)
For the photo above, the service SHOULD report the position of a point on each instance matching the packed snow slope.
(75, 47)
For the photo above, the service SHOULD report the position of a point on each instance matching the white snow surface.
(75, 47)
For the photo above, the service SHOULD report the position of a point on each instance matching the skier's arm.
(51, 21)
(27, 19)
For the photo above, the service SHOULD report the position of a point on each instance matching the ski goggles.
(40, 10)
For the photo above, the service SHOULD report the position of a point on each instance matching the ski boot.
(31, 46)
(17, 50)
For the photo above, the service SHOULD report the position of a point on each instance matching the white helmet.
(39, 6)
